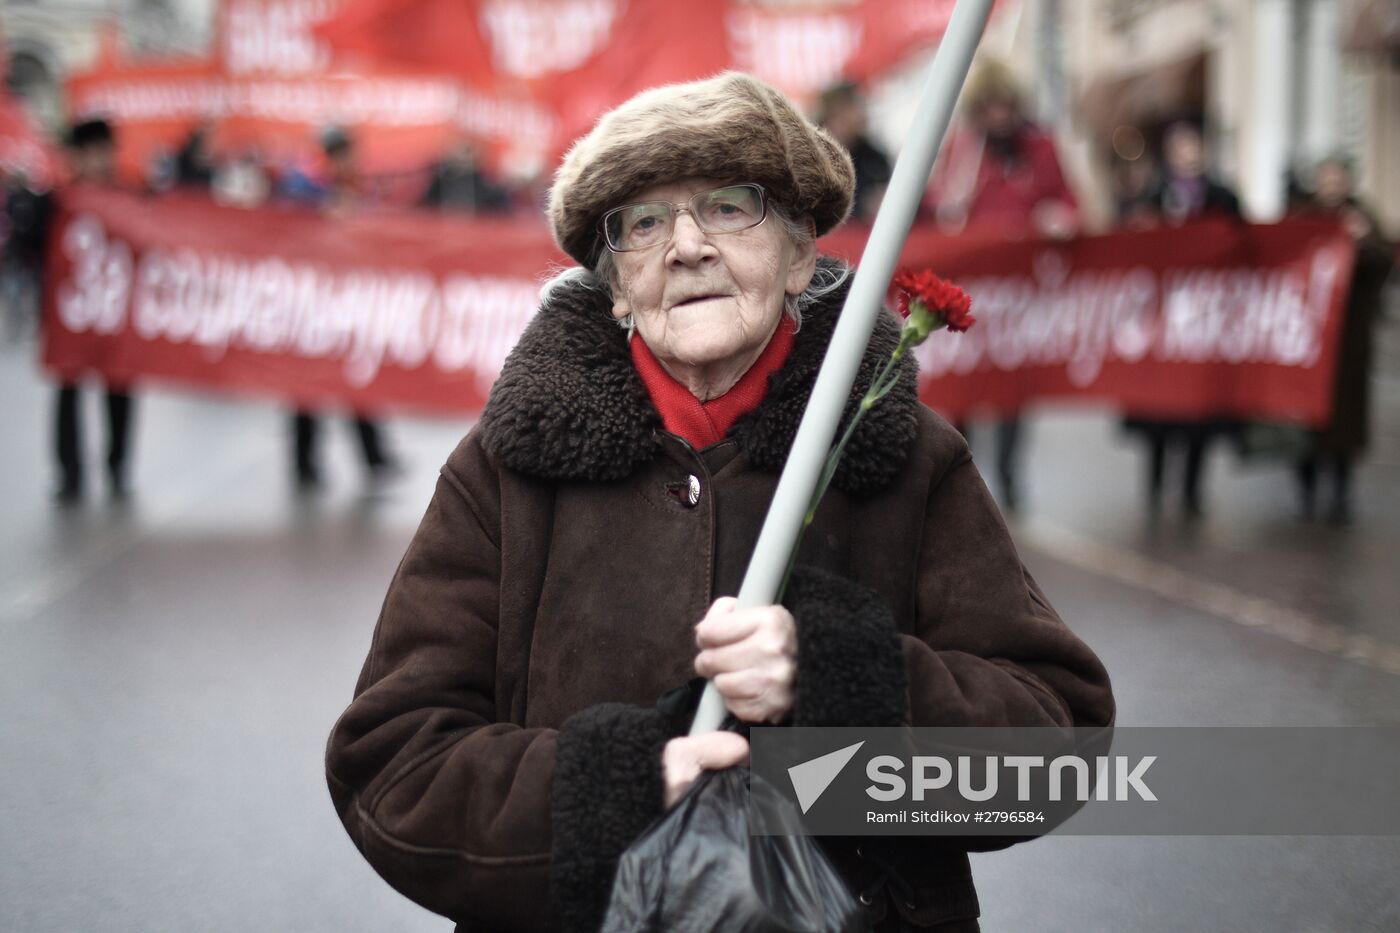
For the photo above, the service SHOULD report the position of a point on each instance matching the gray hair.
(825, 280)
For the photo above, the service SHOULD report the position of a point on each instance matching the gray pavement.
(172, 666)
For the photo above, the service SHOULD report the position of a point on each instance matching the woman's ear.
(804, 261)
(621, 306)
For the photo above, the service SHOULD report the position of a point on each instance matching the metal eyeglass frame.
(686, 207)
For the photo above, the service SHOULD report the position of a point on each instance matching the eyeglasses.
(651, 223)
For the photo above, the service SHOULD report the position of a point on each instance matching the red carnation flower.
(927, 303)
(949, 305)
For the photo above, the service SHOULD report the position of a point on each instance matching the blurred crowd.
(999, 172)
(330, 176)
(328, 179)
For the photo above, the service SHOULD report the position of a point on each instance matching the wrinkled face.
(700, 299)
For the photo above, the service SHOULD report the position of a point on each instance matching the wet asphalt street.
(172, 665)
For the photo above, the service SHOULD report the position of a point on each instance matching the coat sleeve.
(984, 647)
(987, 648)
(471, 816)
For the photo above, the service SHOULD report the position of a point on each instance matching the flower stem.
(880, 386)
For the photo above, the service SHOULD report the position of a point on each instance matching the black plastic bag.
(699, 869)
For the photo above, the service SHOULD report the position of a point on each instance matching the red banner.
(584, 56)
(403, 122)
(520, 78)
(418, 311)
(554, 46)
(411, 310)
(273, 37)
(1215, 318)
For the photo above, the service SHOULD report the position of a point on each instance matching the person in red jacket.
(1000, 174)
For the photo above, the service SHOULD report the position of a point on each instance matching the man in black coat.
(92, 148)
(1187, 192)
(841, 112)
(1332, 449)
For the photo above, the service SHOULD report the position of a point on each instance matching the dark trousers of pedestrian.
(1008, 457)
(1338, 467)
(69, 439)
(1190, 443)
(306, 429)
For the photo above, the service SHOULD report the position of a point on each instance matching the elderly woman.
(521, 716)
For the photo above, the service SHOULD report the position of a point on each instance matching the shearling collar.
(569, 404)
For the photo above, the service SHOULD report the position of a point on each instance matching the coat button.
(687, 493)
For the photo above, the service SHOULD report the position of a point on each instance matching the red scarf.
(706, 423)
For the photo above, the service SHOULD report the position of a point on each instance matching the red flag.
(437, 36)
(581, 57)
(520, 44)
(655, 43)
(892, 30)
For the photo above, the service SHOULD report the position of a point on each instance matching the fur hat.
(731, 127)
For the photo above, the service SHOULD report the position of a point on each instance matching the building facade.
(1278, 85)
(49, 39)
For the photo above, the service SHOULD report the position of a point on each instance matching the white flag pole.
(877, 266)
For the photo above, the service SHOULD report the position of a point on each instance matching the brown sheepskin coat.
(503, 746)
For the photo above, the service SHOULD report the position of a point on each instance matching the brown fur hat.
(731, 127)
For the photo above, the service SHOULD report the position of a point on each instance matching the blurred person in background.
(459, 184)
(1000, 174)
(1333, 449)
(28, 214)
(338, 193)
(160, 171)
(1187, 192)
(1138, 213)
(1136, 183)
(242, 181)
(92, 148)
(194, 164)
(344, 188)
(841, 112)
